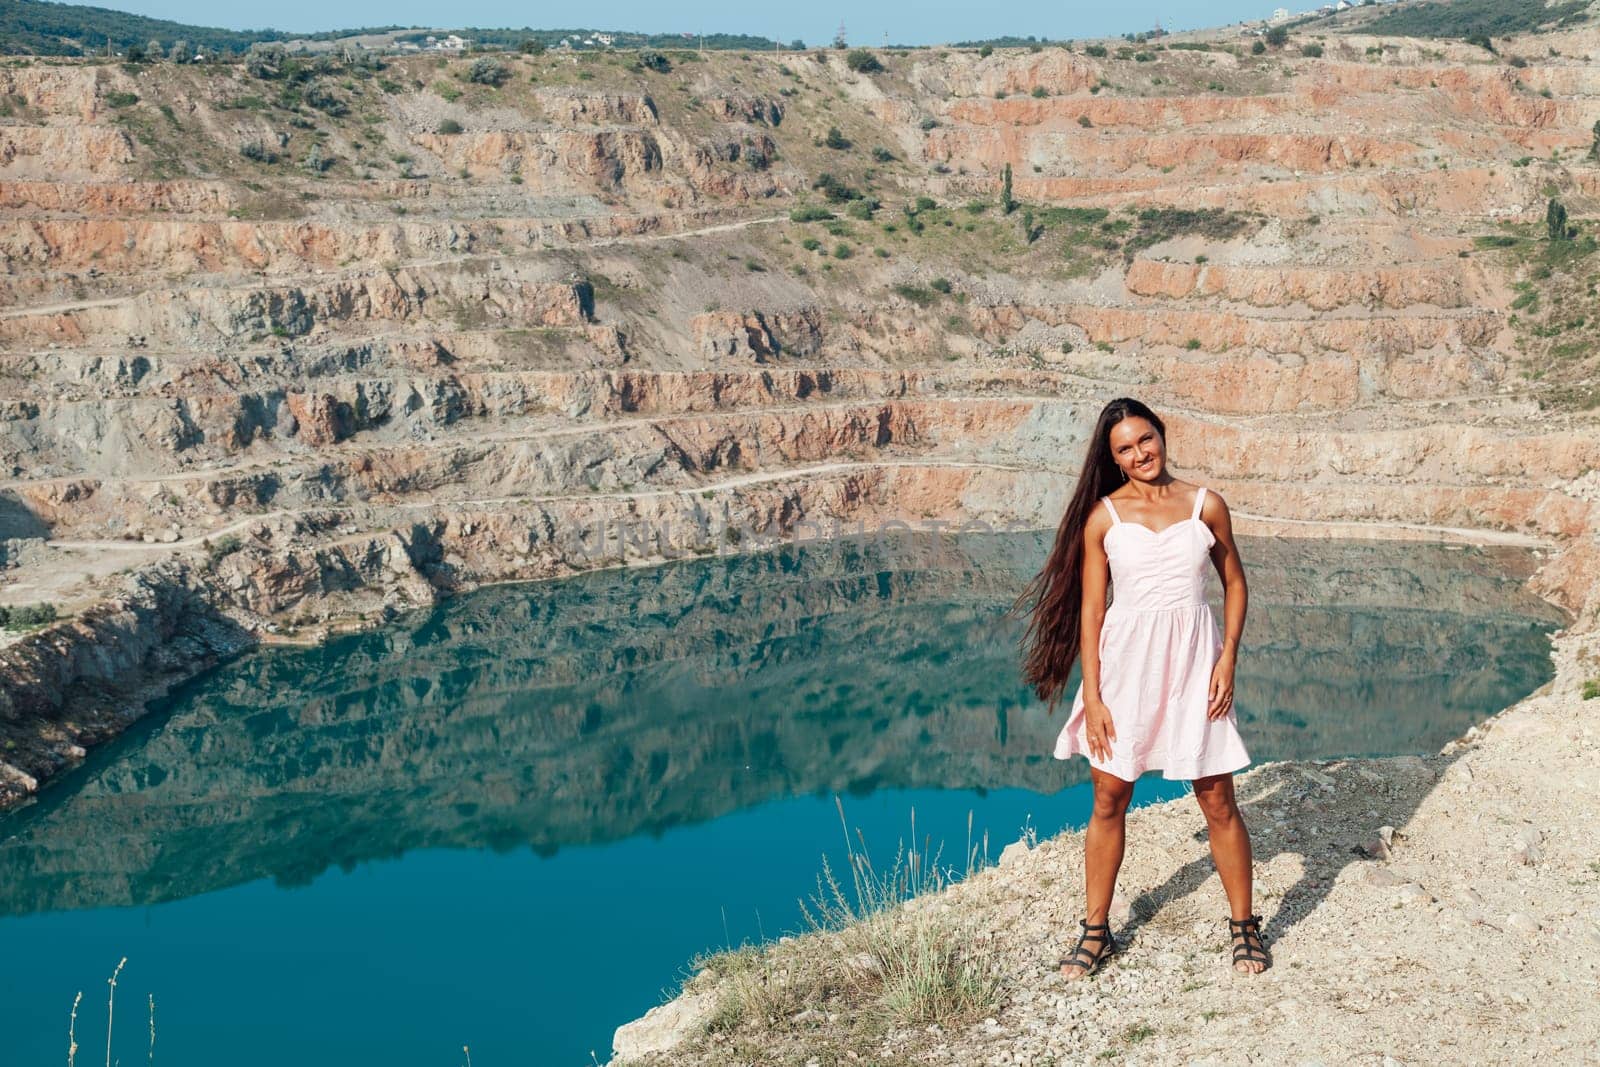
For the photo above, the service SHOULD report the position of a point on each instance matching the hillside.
(42, 28)
(37, 27)
(1479, 18)
(299, 344)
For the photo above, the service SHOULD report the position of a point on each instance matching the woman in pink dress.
(1157, 690)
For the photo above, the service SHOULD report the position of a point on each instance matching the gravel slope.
(1476, 939)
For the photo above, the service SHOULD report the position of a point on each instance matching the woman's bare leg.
(1230, 848)
(1103, 842)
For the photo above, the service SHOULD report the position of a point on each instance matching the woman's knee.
(1111, 799)
(1216, 799)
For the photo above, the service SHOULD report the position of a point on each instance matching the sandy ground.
(1476, 939)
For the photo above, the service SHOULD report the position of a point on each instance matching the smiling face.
(1138, 449)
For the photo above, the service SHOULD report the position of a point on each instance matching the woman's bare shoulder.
(1215, 514)
(1098, 522)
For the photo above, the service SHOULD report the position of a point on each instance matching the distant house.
(1343, 5)
(1279, 15)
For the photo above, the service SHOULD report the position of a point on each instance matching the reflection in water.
(402, 778)
(623, 702)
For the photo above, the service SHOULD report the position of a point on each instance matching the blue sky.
(866, 22)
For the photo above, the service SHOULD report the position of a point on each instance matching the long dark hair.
(1056, 592)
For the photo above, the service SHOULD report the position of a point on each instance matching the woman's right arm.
(1092, 616)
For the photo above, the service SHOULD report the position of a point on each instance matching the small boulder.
(1412, 893)
(664, 1027)
(1013, 853)
(1519, 923)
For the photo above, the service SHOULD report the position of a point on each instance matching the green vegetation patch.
(26, 616)
(1555, 313)
(1476, 18)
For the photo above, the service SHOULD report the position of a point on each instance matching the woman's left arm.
(1235, 597)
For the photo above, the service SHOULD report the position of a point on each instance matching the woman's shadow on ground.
(1316, 811)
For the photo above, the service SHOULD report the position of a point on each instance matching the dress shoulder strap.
(1115, 518)
(1199, 498)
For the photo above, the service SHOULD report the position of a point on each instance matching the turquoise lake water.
(510, 822)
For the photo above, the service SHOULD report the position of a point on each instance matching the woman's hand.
(1098, 729)
(1221, 701)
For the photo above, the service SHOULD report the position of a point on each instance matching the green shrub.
(258, 151)
(486, 70)
(929, 123)
(835, 139)
(1591, 689)
(942, 285)
(862, 61)
(842, 251)
(834, 189)
(26, 616)
(650, 59)
(1555, 220)
(222, 546)
(1098, 51)
(266, 61)
(916, 294)
(119, 99)
(986, 51)
(1311, 51)
(1277, 37)
(326, 101)
(811, 244)
(926, 203)
(1085, 122)
(861, 209)
(810, 213)
(449, 127)
(1258, 48)
(318, 163)
(1040, 92)
(882, 155)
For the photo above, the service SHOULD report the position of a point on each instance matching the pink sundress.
(1157, 648)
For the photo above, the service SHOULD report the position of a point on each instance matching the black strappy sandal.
(1100, 932)
(1243, 950)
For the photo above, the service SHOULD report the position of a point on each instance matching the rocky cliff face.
(285, 355)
